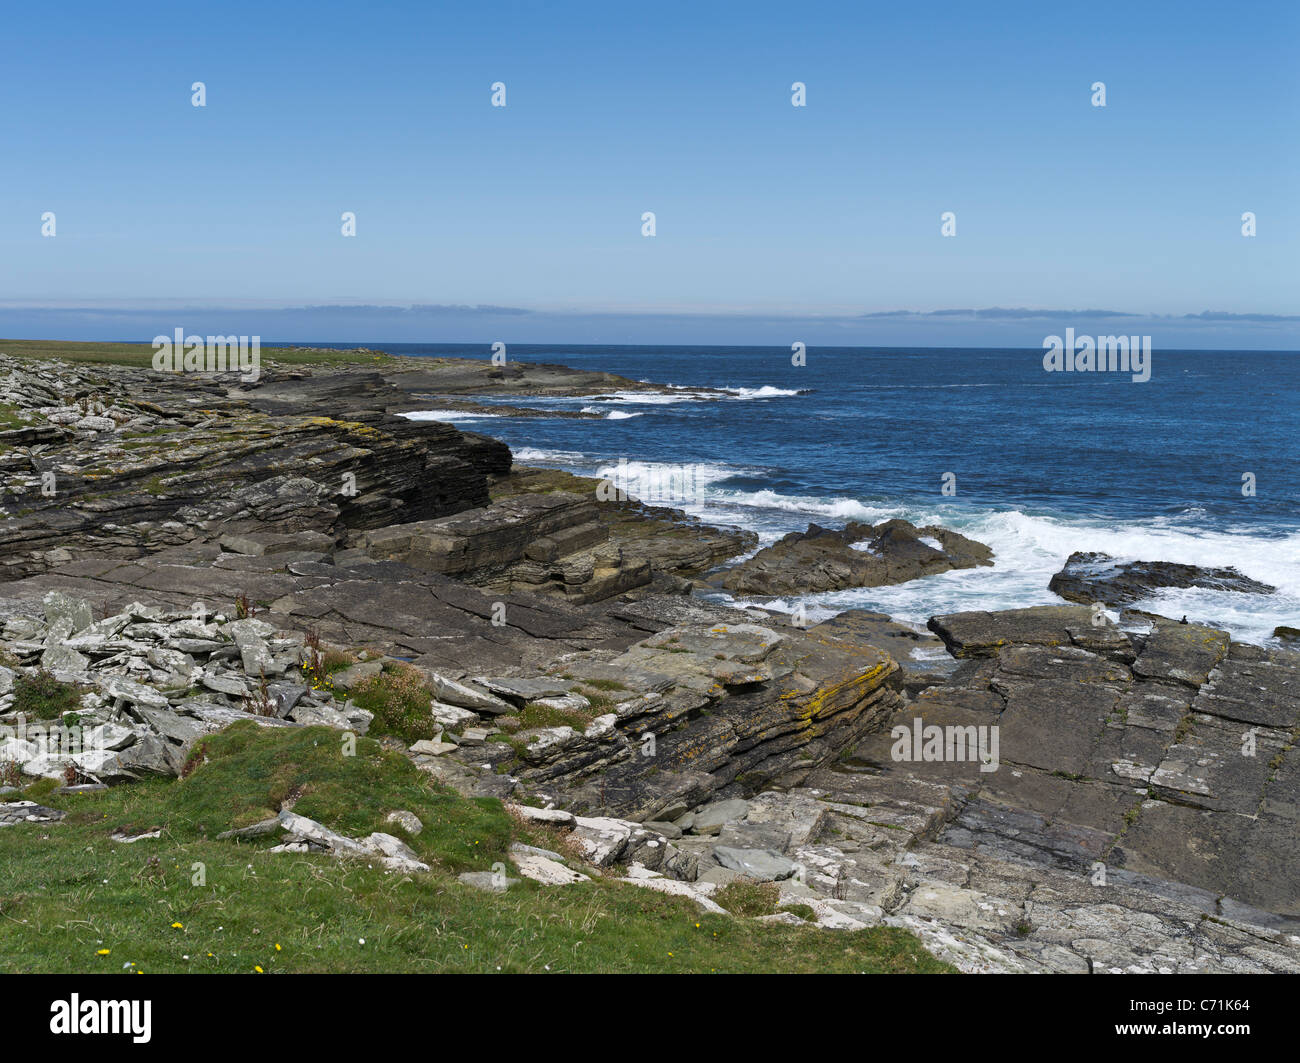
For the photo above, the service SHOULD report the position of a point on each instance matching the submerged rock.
(1289, 635)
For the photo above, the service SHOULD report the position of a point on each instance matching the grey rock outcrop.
(1102, 798)
(1094, 577)
(182, 460)
(701, 712)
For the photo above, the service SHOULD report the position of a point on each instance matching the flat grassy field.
(74, 900)
(141, 354)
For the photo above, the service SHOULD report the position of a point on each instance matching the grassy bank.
(74, 900)
(141, 354)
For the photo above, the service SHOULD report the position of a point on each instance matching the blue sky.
(769, 217)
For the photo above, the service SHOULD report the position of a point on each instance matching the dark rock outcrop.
(1094, 577)
(858, 555)
(539, 535)
(143, 461)
(984, 634)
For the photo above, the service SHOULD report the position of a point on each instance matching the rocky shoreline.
(181, 551)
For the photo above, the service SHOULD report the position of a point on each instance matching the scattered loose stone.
(711, 818)
(431, 748)
(12, 812)
(545, 870)
(555, 817)
(124, 835)
(487, 880)
(348, 678)
(408, 821)
(465, 696)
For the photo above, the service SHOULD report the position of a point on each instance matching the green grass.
(534, 715)
(40, 696)
(141, 354)
(749, 898)
(336, 661)
(67, 891)
(517, 744)
(250, 772)
(599, 702)
(604, 684)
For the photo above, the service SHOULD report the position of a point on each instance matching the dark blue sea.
(1041, 463)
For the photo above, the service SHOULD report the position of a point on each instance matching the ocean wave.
(685, 485)
(1029, 548)
(568, 459)
(449, 415)
(684, 393)
(767, 391)
(832, 508)
(611, 415)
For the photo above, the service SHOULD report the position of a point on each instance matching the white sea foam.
(832, 508)
(767, 391)
(449, 415)
(568, 459)
(681, 393)
(1028, 549)
(635, 471)
(611, 415)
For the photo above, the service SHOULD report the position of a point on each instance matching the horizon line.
(986, 313)
(337, 345)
